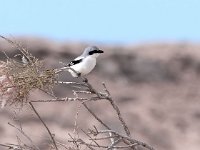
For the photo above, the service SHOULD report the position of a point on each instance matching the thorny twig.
(52, 138)
(96, 132)
(108, 97)
(95, 116)
(17, 45)
(116, 108)
(7, 146)
(17, 146)
(90, 138)
(25, 135)
(131, 143)
(92, 95)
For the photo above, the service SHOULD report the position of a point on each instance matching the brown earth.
(156, 87)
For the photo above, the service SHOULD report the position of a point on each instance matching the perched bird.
(84, 63)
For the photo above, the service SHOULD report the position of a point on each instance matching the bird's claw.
(85, 80)
(78, 74)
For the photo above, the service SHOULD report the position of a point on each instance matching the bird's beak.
(100, 51)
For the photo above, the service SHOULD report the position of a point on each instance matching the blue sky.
(115, 21)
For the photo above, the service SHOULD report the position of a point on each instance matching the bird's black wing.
(75, 61)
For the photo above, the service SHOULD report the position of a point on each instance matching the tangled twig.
(25, 77)
(48, 130)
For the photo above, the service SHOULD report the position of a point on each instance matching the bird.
(85, 63)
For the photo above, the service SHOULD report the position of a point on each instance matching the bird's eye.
(93, 52)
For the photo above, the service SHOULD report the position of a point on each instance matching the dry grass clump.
(17, 79)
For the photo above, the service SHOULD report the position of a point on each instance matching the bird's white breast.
(85, 66)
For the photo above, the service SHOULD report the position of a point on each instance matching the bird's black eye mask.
(95, 52)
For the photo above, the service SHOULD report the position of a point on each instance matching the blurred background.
(152, 56)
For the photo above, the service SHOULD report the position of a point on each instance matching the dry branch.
(51, 135)
(25, 77)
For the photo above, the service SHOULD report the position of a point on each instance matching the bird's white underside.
(85, 67)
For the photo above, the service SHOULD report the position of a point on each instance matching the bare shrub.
(17, 79)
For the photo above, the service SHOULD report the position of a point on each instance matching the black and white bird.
(84, 63)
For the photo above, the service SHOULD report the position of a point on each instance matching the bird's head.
(92, 51)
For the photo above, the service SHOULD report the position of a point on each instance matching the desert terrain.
(155, 85)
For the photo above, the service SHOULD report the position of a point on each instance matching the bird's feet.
(85, 80)
(78, 74)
